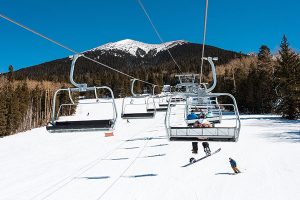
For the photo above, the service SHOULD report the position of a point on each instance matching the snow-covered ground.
(138, 162)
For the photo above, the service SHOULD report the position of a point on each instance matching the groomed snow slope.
(138, 162)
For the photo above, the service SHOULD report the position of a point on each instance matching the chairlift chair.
(160, 101)
(57, 124)
(163, 100)
(144, 102)
(178, 129)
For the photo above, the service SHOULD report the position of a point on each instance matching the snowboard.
(193, 161)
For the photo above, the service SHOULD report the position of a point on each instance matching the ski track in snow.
(138, 162)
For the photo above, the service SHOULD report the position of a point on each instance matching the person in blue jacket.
(234, 166)
(192, 116)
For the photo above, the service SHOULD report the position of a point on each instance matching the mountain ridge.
(145, 61)
(137, 48)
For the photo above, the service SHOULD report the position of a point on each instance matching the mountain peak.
(137, 48)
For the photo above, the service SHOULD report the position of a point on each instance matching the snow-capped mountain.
(128, 55)
(137, 48)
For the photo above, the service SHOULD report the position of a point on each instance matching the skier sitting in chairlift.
(209, 114)
(202, 123)
(192, 116)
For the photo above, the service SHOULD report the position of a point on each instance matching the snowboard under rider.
(234, 166)
(206, 148)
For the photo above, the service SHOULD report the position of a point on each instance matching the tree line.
(25, 104)
(265, 83)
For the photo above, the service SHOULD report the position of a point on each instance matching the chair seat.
(89, 125)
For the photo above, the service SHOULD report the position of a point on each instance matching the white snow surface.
(131, 46)
(138, 162)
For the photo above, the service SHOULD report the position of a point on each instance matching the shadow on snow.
(131, 147)
(151, 156)
(225, 173)
(116, 159)
(158, 145)
(289, 136)
(95, 177)
(140, 175)
(146, 138)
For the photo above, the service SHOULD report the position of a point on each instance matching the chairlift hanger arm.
(210, 60)
(81, 86)
(153, 89)
(132, 85)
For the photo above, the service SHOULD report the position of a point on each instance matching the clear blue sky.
(234, 25)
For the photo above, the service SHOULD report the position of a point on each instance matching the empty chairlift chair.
(138, 106)
(161, 104)
(92, 114)
(164, 96)
(160, 101)
(224, 126)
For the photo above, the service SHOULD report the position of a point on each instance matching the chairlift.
(224, 127)
(59, 123)
(138, 106)
(165, 95)
(160, 101)
(187, 85)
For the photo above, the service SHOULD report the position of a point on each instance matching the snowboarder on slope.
(206, 148)
(195, 147)
(233, 166)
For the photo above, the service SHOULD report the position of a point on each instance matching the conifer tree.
(249, 85)
(10, 73)
(22, 94)
(287, 83)
(3, 113)
(13, 114)
(264, 90)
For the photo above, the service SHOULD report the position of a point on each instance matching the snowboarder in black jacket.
(206, 148)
